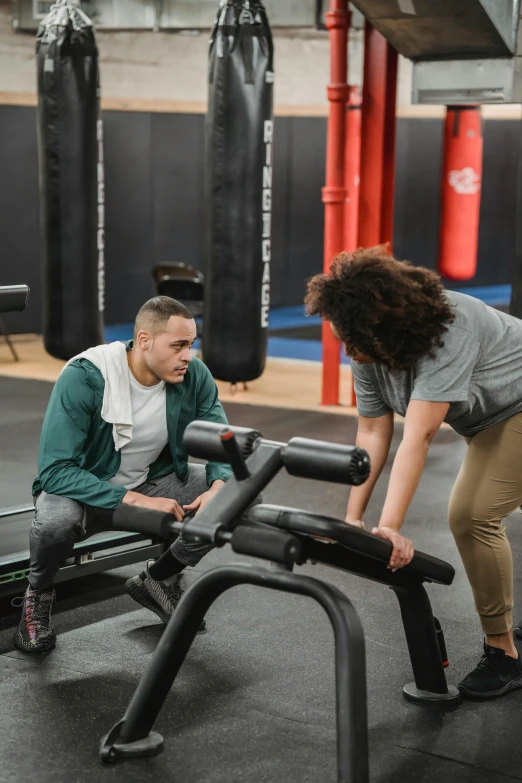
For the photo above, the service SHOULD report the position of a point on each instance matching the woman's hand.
(403, 550)
(355, 522)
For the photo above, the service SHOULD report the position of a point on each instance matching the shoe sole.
(511, 686)
(26, 647)
(142, 596)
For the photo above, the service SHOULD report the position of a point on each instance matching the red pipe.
(352, 168)
(352, 178)
(390, 124)
(337, 22)
(461, 186)
(372, 132)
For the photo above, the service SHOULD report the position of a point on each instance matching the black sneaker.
(35, 632)
(496, 674)
(160, 597)
(517, 630)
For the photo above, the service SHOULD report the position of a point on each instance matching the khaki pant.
(487, 489)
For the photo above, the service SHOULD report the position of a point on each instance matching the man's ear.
(143, 339)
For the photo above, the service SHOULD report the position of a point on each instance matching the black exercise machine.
(13, 299)
(181, 282)
(102, 553)
(92, 556)
(287, 537)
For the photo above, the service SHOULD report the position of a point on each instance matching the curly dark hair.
(390, 310)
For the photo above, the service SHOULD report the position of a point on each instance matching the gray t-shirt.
(478, 371)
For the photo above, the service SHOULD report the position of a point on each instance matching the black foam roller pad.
(202, 440)
(260, 541)
(317, 459)
(135, 519)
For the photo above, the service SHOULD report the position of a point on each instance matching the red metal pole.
(337, 22)
(352, 168)
(372, 132)
(390, 124)
(352, 178)
(461, 186)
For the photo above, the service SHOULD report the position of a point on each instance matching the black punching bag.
(239, 138)
(71, 182)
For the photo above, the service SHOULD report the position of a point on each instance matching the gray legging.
(60, 522)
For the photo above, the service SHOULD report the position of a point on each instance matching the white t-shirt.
(149, 434)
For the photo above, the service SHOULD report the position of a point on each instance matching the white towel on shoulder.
(111, 361)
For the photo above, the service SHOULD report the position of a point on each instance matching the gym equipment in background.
(239, 139)
(70, 156)
(287, 537)
(101, 552)
(13, 299)
(181, 282)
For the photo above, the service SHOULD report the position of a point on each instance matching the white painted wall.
(172, 67)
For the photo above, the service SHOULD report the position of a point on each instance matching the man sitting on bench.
(112, 434)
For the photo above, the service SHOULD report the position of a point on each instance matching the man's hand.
(200, 502)
(403, 550)
(157, 504)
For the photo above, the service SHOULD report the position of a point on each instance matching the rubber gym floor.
(255, 698)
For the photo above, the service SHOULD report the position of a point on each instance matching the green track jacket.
(77, 456)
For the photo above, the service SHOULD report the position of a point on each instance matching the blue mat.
(294, 317)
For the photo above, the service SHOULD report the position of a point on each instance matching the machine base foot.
(450, 699)
(112, 751)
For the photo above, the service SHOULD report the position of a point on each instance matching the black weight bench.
(334, 543)
(355, 550)
(286, 537)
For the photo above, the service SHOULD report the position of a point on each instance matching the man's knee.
(57, 519)
(197, 479)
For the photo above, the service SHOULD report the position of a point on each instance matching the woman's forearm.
(404, 480)
(378, 447)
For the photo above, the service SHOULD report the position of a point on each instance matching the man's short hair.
(153, 317)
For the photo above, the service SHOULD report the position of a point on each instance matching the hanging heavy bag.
(71, 182)
(239, 138)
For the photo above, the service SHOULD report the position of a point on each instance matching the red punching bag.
(461, 186)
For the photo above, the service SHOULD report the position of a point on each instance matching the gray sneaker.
(160, 597)
(35, 632)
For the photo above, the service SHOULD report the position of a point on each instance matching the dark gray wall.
(19, 229)
(155, 204)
